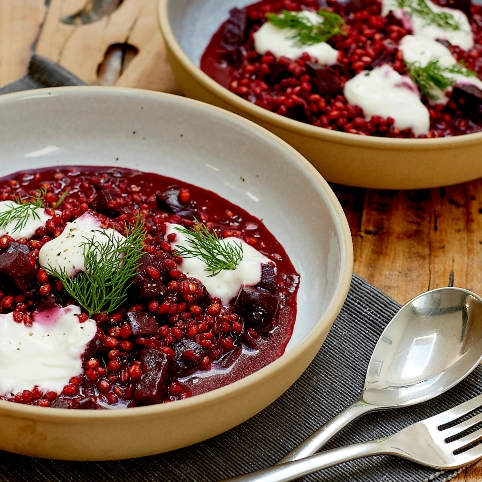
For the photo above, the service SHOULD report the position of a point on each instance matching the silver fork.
(441, 442)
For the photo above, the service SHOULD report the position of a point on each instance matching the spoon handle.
(319, 438)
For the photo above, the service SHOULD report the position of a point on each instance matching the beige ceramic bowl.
(216, 150)
(187, 26)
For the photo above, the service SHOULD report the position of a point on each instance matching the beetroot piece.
(326, 79)
(48, 302)
(189, 355)
(92, 349)
(256, 307)
(235, 32)
(250, 338)
(142, 323)
(106, 202)
(353, 6)
(471, 104)
(22, 248)
(230, 358)
(147, 286)
(386, 55)
(85, 403)
(168, 201)
(157, 370)
(463, 5)
(268, 279)
(60, 403)
(17, 270)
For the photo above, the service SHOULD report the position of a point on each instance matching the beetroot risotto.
(389, 68)
(120, 288)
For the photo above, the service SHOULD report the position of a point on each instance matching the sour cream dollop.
(47, 354)
(226, 284)
(384, 92)
(421, 50)
(462, 37)
(36, 219)
(66, 252)
(277, 41)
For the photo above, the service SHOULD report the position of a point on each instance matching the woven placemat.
(333, 381)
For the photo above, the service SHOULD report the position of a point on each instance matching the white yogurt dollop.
(67, 250)
(421, 50)
(277, 41)
(226, 284)
(46, 354)
(36, 219)
(384, 92)
(462, 37)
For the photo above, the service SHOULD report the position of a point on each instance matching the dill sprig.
(21, 211)
(109, 268)
(216, 253)
(434, 76)
(307, 32)
(61, 198)
(421, 8)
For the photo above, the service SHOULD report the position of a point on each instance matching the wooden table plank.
(405, 242)
(20, 21)
(82, 48)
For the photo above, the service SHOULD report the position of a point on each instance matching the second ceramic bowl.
(354, 160)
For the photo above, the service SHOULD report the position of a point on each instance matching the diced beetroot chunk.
(147, 287)
(235, 31)
(16, 269)
(91, 349)
(60, 403)
(157, 370)
(326, 79)
(268, 279)
(106, 202)
(13, 247)
(471, 105)
(48, 302)
(142, 323)
(86, 403)
(189, 355)
(256, 307)
(168, 201)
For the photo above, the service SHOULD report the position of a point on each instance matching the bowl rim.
(300, 128)
(58, 415)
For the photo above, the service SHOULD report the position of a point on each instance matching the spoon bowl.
(431, 344)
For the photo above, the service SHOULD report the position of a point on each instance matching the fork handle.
(323, 460)
(319, 438)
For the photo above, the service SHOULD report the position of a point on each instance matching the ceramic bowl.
(218, 151)
(187, 27)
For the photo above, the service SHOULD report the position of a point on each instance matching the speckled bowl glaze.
(213, 149)
(187, 27)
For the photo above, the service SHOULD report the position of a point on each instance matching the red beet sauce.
(301, 91)
(170, 340)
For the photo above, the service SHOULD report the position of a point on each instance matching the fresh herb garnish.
(61, 198)
(421, 8)
(216, 253)
(307, 32)
(434, 76)
(109, 268)
(22, 211)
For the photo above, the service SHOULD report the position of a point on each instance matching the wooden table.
(405, 242)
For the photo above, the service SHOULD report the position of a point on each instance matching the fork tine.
(458, 411)
(467, 440)
(468, 457)
(459, 428)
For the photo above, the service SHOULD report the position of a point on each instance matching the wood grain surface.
(405, 242)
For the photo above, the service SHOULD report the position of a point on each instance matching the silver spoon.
(429, 346)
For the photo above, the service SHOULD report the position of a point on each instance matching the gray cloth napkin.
(333, 381)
